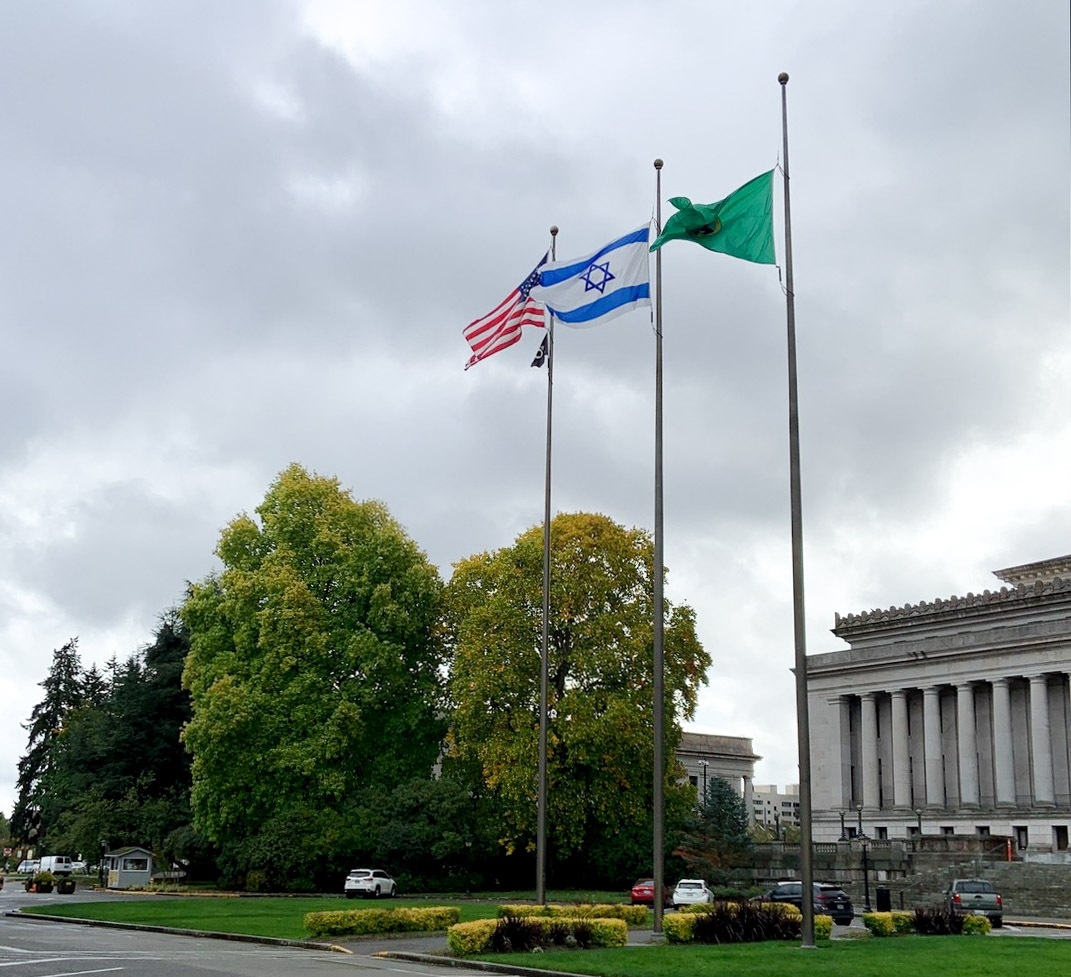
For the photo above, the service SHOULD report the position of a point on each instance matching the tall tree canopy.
(314, 670)
(600, 753)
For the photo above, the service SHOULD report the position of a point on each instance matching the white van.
(56, 864)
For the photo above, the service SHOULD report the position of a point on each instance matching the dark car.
(829, 900)
(643, 893)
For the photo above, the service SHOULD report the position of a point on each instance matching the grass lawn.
(283, 918)
(905, 956)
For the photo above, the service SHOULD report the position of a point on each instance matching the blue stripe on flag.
(601, 306)
(557, 275)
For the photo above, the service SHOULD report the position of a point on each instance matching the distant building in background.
(776, 808)
(950, 716)
(705, 756)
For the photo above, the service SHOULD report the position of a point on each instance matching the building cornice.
(940, 610)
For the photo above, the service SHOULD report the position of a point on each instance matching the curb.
(484, 965)
(203, 934)
(1037, 924)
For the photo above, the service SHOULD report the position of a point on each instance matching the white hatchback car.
(691, 891)
(370, 883)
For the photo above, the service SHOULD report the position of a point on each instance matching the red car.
(643, 893)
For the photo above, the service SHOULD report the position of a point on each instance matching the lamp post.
(918, 817)
(859, 811)
(777, 825)
(843, 835)
(704, 764)
(100, 868)
(866, 878)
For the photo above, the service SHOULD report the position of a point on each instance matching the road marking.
(78, 973)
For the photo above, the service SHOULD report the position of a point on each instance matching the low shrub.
(976, 925)
(903, 922)
(736, 922)
(633, 915)
(937, 922)
(880, 924)
(361, 922)
(823, 926)
(464, 939)
(519, 933)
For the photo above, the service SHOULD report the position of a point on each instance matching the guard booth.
(128, 868)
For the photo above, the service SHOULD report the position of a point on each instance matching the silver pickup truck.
(975, 896)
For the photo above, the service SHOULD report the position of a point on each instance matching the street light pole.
(843, 834)
(866, 878)
(859, 810)
(704, 764)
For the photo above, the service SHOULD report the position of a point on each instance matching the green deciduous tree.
(600, 733)
(314, 670)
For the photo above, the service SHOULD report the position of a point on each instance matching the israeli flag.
(613, 280)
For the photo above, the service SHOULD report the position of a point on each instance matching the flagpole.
(659, 696)
(541, 816)
(798, 616)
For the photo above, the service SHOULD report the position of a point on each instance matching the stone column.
(868, 742)
(1003, 771)
(749, 800)
(931, 729)
(1040, 742)
(968, 746)
(901, 764)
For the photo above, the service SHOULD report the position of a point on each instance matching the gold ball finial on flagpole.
(783, 77)
(658, 164)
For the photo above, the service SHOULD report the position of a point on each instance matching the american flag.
(501, 327)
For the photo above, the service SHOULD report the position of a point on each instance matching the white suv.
(369, 882)
(691, 891)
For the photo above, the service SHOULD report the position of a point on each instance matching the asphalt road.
(37, 948)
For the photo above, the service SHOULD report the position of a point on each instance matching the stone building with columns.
(705, 756)
(949, 716)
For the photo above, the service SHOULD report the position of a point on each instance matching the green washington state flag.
(741, 225)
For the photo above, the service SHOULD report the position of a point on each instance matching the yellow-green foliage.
(357, 922)
(466, 938)
(678, 927)
(823, 926)
(903, 922)
(975, 925)
(633, 915)
(475, 937)
(880, 924)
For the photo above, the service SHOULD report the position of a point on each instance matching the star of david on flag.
(611, 281)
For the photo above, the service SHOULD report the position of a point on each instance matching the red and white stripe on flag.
(501, 327)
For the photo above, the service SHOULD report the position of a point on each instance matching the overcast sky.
(236, 235)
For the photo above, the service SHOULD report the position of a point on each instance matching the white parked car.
(370, 883)
(691, 891)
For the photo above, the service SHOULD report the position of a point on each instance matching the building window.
(135, 865)
(1059, 837)
(883, 834)
(947, 830)
(694, 781)
(1022, 837)
(982, 830)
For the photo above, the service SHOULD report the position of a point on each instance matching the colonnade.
(932, 746)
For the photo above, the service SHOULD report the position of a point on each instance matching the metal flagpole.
(799, 619)
(541, 815)
(659, 695)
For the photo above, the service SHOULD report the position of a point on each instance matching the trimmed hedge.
(743, 922)
(925, 922)
(633, 915)
(479, 936)
(360, 922)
